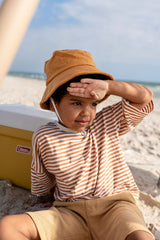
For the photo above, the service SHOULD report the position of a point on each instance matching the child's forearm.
(137, 94)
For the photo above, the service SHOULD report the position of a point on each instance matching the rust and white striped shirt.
(85, 166)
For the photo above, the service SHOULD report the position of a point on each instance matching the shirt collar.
(68, 130)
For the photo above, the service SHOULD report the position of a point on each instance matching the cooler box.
(17, 124)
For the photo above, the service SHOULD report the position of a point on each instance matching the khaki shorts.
(109, 218)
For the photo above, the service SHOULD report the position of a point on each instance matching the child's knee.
(19, 226)
(5, 225)
(140, 235)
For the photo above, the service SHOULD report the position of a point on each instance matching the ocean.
(154, 86)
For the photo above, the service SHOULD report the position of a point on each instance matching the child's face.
(77, 113)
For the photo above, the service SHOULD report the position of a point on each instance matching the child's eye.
(76, 103)
(94, 104)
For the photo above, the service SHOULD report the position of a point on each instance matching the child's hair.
(62, 90)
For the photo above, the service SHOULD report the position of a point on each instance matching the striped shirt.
(86, 166)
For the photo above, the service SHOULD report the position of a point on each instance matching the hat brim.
(66, 76)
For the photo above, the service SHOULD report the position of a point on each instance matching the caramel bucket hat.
(65, 65)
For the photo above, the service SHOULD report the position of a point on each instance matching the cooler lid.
(24, 117)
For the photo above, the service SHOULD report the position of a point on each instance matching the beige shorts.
(113, 217)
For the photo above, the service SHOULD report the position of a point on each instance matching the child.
(80, 157)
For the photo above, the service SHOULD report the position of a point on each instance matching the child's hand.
(89, 88)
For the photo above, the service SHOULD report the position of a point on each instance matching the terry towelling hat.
(65, 65)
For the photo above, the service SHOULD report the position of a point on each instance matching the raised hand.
(89, 88)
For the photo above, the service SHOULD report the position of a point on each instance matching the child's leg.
(140, 235)
(18, 227)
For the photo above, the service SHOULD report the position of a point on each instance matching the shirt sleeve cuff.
(134, 115)
(141, 112)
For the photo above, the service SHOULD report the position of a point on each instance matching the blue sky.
(122, 36)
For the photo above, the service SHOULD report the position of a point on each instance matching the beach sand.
(141, 147)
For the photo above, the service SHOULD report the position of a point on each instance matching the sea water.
(154, 86)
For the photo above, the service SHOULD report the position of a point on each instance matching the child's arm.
(138, 95)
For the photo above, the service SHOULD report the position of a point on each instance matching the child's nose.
(86, 110)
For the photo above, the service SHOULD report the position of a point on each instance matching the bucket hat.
(65, 65)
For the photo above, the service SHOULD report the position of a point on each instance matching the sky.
(123, 36)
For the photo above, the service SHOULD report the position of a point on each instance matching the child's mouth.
(83, 123)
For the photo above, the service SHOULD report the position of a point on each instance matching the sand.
(141, 148)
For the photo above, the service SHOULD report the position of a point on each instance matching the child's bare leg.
(140, 235)
(18, 227)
